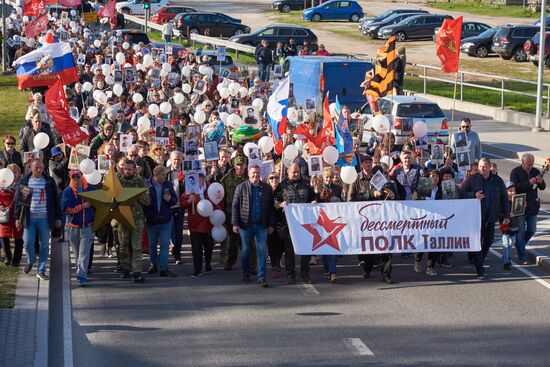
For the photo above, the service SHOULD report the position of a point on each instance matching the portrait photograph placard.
(250, 115)
(315, 165)
(211, 152)
(518, 205)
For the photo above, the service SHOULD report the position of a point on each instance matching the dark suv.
(531, 47)
(415, 27)
(286, 6)
(509, 40)
(218, 25)
(278, 33)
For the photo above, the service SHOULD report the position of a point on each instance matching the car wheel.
(354, 18)
(547, 62)
(401, 37)
(519, 55)
(194, 31)
(482, 51)
(316, 17)
(285, 8)
(126, 11)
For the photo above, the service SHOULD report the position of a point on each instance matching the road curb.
(539, 259)
(42, 324)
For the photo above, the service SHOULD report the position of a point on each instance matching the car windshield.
(383, 15)
(419, 110)
(489, 32)
(406, 21)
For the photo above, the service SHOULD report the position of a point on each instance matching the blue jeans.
(259, 233)
(508, 240)
(40, 226)
(159, 234)
(263, 72)
(329, 262)
(527, 227)
(81, 241)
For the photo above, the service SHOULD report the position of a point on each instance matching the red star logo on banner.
(329, 226)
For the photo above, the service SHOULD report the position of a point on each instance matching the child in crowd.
(509, 231)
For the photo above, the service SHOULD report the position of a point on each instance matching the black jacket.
(264, 56)
(15, 158)
(240, 213)
(521, 179)
(495, 204)
(53, 202)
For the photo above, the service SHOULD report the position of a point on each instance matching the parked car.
(469, 29)
(382, 16)
(334, 10)
(170, 12)
(286, 6)
(415, 27)
(217, 24)
(405, 111)
(509, 40)
(278, 33)
(546, 21)
(371, 29)
(178, 17)
(531, 47)
(136, 6)
(480, 45)
(137, 36)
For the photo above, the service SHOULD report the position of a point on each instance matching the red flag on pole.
(32, 8)
(447, 44)
(37, 26)
(107, 11)
(66, 126)
(324, 137)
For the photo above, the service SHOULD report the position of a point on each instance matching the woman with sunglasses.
(10, 154)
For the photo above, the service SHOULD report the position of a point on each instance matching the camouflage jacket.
(230, 182)
(143, 200)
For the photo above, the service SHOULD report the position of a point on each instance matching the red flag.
(66, 126)
(37, 26)
(70, 3)
(324, 137)
(107, 11)
(32, 8)
(447, 44)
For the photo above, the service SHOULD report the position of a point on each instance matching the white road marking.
(67, 308)
(524, 271)
(357, 347)
(309, 288)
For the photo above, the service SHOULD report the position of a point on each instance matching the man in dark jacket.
(159, 219)
(27, 142)
(41, 216)
(400, 63)
(291, 191)
(58, 167)
(253, 219)
(264, 58)
(80, 218)
(528, 180)
(491, 191)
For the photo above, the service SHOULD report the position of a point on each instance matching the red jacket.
(195, 222)
(8, 230)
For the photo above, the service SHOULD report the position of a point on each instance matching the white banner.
(374, 227)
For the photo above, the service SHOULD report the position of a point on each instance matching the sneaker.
(167, 274)
(208, 269)
(109, 252)
(81, 281)
(333, 278)
(124, 274)
(196, 274)
(290, 279)
(139, 278)
(313, 260)
(445, 264)
(507, 266)
(361, 263)
(387, 279)
(246, 278)
(28, 268)
(480, 276)
(262, 283)
(417, 267)
(179, 262)
(152, 269)
(42, 276)
(306, 279)
(431, 272)
(524, 262)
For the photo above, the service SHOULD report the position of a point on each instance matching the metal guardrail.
(217, 42)
(461, 83)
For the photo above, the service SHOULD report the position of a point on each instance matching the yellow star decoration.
(113, 201)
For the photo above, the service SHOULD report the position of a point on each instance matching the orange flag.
(447, 44)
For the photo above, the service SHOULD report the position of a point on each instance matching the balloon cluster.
(206, 209)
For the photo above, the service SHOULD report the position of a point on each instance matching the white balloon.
(109, 80)
(105, 69)
(219, 233)
(224, 116)
(72, 24)
(203, 69)
(25, 19)
(127, 65)
(87, 87)
(205, 208)
(224, 93)
(163, 73)
(153, 109)
(332, 109)
(248, 147)
(217, 218)
(178, 98)
(199, 117)
(258, 102)
(94, 178)
(387, 160)
(300, 145)
(41, 140)
(291, 152)
(243, 92)
(219, 86)
(348, 174)
(292, 114)
(125, 45)
(72, 12)
(120, 58)
(87, 166)
(420, 129)
(216, 192)
(167, 67)
(330, 155)
(101, 98)
(74, 30)
(186, 88)
(234, 88)
(266, 144)
(92, 112)
(140, 67)
(137, 98)
(117, 90)
(234, 120)
(165, 107)
(143, 123)
(7, 177)
(186, 70)
(381, 124)
(97, 43)
(148, 60)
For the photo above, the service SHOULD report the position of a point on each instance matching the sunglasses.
(10, 143)
(465, 127)
(273, 178)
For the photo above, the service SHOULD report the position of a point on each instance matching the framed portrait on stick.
(518, 205)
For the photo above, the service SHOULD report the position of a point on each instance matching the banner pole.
(453, 109)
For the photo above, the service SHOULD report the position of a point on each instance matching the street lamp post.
(540, 81)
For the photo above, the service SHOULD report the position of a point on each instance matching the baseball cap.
(239, 160)
(56, 151)
(510, 184)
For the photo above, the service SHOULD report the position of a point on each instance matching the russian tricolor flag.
(44, 66)
(277, 108)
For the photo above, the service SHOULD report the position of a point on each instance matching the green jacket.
(230, 182)
(143, 200)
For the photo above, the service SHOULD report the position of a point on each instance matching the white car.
(135, 7)
(404, 111)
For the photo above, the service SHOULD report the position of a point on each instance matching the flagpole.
(4, 34)
(453, 109)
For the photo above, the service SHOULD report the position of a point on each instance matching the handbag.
(5, 216)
